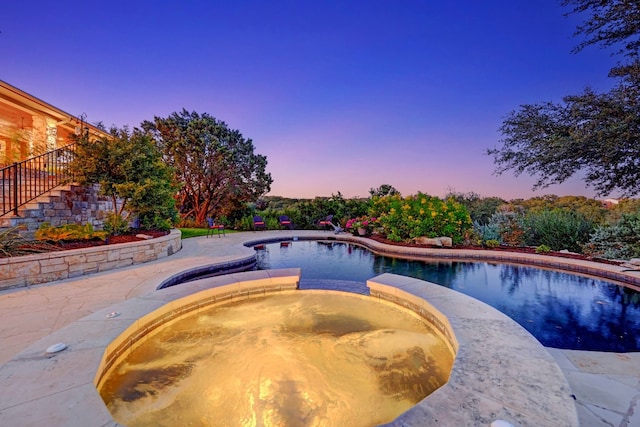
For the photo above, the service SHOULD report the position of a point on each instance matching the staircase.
(24, 181)
(67, 204)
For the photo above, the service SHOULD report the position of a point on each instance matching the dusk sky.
(339, 95)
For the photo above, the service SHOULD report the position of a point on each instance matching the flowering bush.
(363, 222)
(421, 215)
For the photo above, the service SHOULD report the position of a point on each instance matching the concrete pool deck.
(606, 385)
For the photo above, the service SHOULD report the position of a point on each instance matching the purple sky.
(339, 95)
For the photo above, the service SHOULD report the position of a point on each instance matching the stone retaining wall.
(69, 204)
(47, 267)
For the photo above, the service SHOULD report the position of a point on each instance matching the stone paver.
(606, 385)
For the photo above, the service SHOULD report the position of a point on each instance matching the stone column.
(38, 140)
(52, 135)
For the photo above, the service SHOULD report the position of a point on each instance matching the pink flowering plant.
(364, 222)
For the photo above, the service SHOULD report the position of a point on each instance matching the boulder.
(428, 241)
(434, 241)
(445, 241)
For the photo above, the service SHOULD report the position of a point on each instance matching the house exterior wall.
(30, 126)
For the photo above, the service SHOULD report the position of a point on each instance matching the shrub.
(557, 229)
(189, 223)
(620, 240)
(10, 240)
(421, 215)
(485, 232)
(115, 224)
(508, 226)
(492, 243)
(68, 232)
(543, 249)
(364, 222)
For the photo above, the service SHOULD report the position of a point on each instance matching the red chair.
(211, 226)
(326, 223)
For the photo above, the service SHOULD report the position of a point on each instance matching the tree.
(612, 22)
(481, 209)
(215, 166)
(384, 190)
(130, 170)
(596, 133)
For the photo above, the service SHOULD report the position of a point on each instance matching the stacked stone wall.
(47, 267)
(72, 204)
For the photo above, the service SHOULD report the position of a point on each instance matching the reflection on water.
(303, 359)
(561, 310)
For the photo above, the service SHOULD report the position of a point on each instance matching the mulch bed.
(527, 250)
(40, 247)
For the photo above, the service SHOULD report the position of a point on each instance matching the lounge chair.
(285, 222)
(326, 223)
(258, 223)
(211, 226)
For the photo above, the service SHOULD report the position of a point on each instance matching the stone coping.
(47, 267)
(147, 325)
(501, 371)
(623, 275)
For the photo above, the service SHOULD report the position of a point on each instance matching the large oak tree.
(597, 134)
(215, 166)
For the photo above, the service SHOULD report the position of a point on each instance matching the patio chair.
(211, 226)
(258, 223)
(326, 223)
(285, 222)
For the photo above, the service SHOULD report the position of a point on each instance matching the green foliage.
(492, 243)
(384, 190)
(68, 232)
(509, 226)
(480, 208)
(558, 229)
(115, 224)
(130, 170)
(365, 223)
(188, 223)
(245, 223)
(590, 209)
(304, 214)
(187, 233)
(624, 206)
(215, 166)
(593, 133)
(620, 240)
(611, 23)
(490, 231)
(10, 241)
(543, 249)
(421, 215)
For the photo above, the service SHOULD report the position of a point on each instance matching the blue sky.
(339, 95)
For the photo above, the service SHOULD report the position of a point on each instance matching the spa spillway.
(253, 355)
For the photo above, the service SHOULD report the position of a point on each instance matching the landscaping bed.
(520, 249)
(43, 247)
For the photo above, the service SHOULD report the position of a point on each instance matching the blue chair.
(285, 222)
(258, 222)
(211, 226)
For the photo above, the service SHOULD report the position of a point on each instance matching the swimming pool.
(561, 310)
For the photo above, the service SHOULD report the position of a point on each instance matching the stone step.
(64, 205)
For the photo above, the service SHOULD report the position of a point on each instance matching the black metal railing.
(26, 180)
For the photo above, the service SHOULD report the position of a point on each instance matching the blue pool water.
(561, 310)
